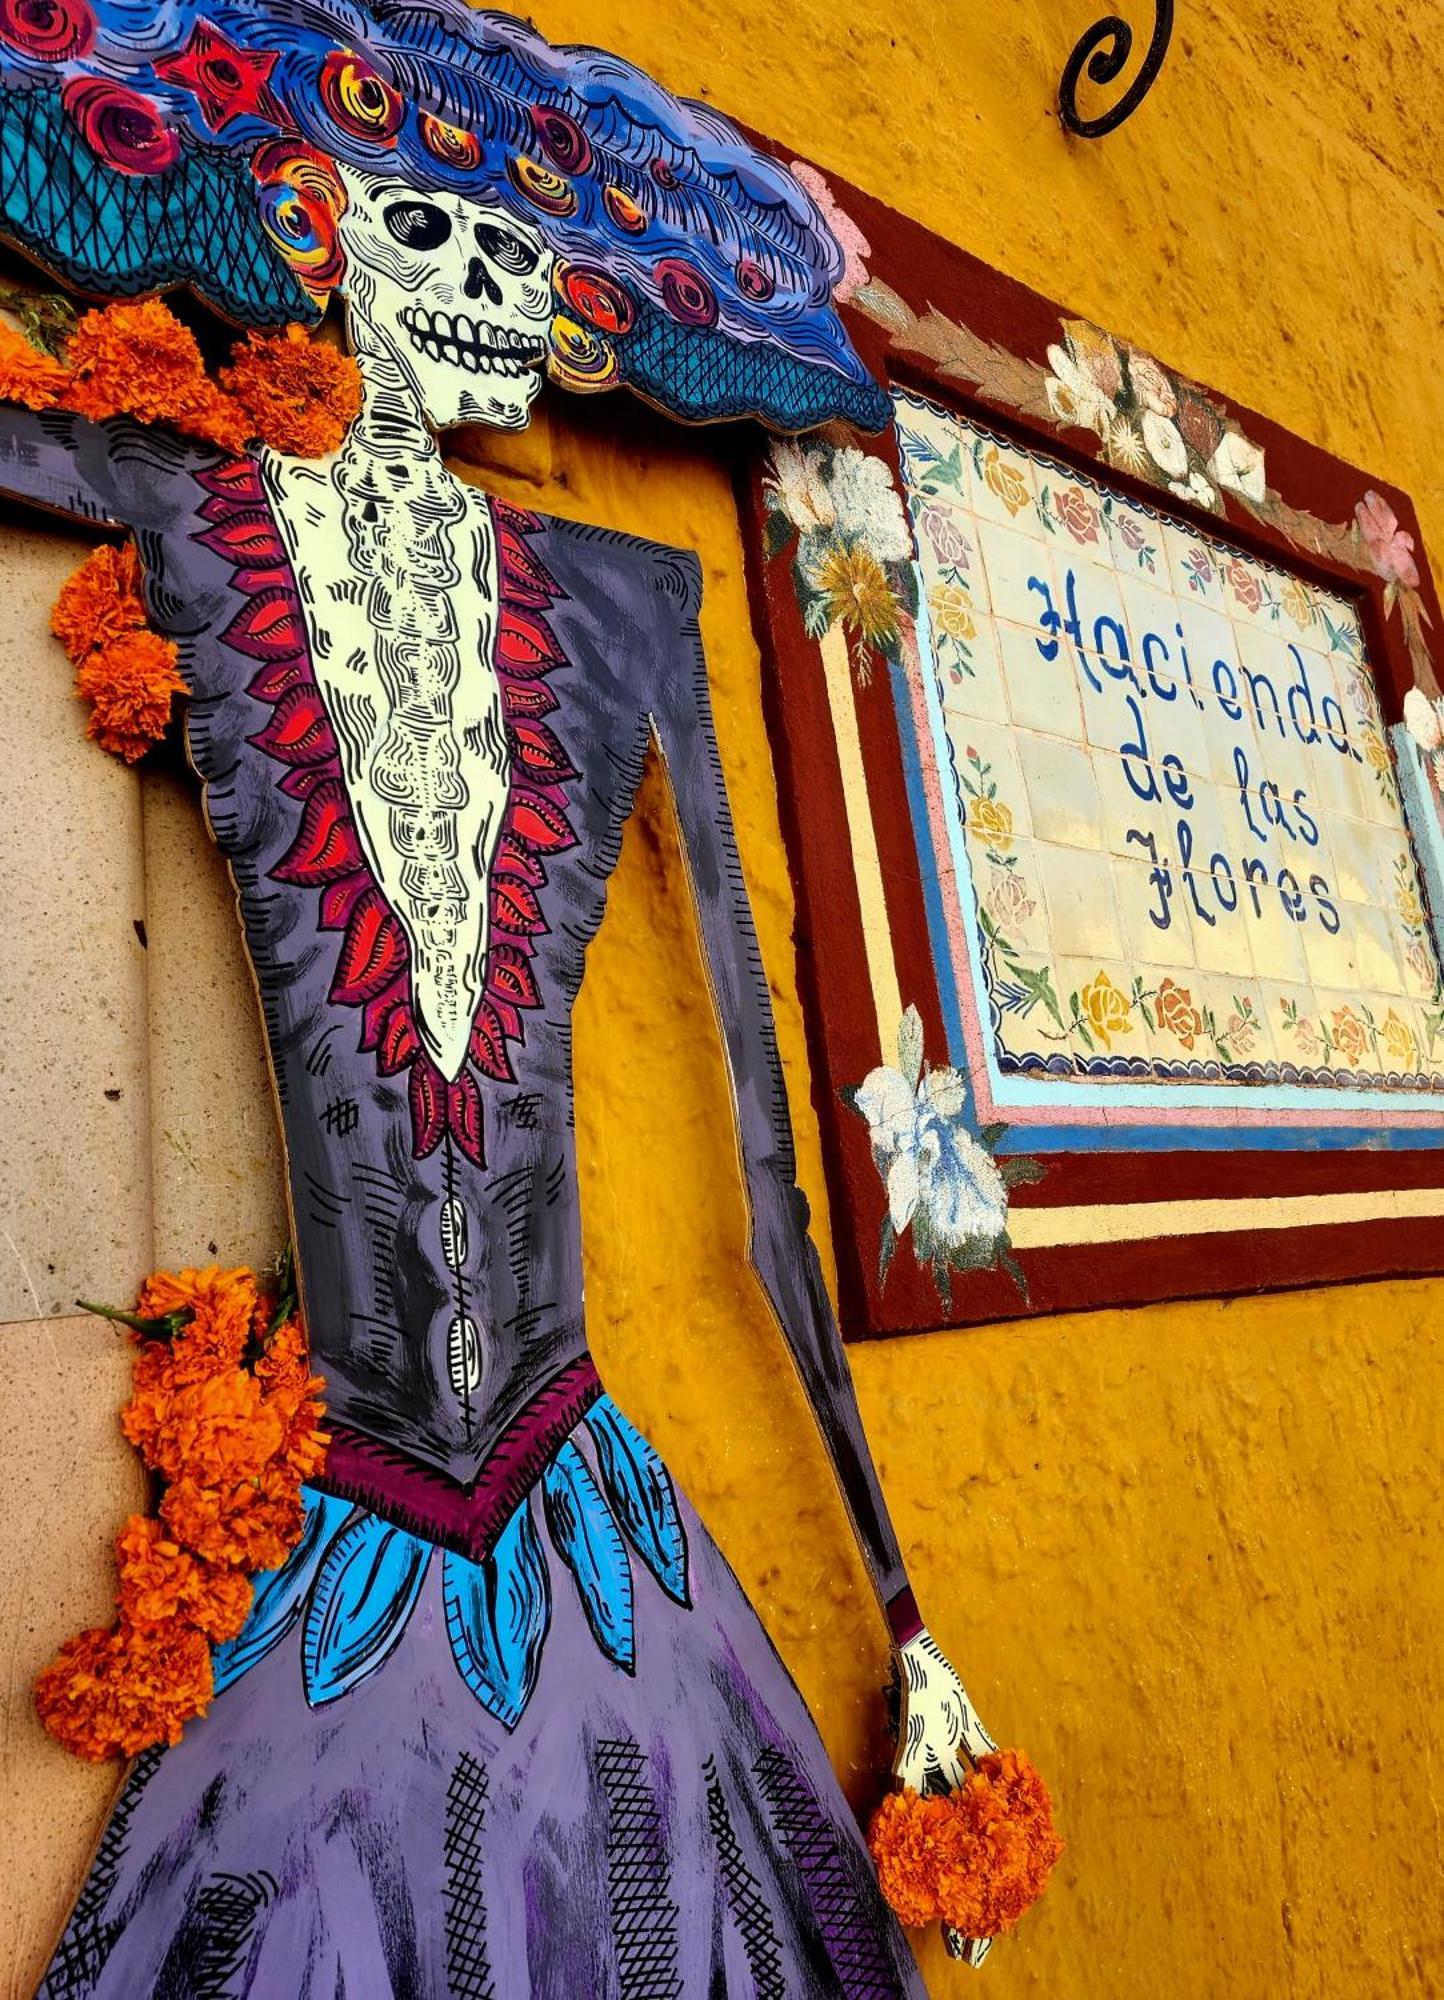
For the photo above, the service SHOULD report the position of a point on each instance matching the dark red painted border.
(832, 967)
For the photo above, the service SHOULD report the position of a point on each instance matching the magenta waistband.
(904, 1620)
(466, 1518)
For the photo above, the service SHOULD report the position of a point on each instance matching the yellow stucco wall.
(1187, 1556)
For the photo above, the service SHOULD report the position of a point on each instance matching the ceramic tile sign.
(1166, 797)
(1110, 742)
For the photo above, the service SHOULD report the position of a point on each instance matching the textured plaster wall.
(1188, 1556)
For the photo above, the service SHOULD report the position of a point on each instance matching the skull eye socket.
(506, 251)
(418, 225)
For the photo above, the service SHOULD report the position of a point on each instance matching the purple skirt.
(425, 1777)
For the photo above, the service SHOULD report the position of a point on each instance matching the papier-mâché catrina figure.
(504, 1723)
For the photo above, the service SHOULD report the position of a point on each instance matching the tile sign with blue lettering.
(1161, 805)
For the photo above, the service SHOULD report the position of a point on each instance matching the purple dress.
(504, 1723)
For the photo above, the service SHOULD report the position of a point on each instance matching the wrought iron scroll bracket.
(1103, 52)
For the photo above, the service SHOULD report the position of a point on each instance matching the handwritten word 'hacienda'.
(1214, 884)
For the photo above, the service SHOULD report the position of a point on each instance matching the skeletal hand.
(938, 1733)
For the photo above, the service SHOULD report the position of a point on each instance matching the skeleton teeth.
(474, 345)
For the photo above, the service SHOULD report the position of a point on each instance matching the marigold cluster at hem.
(225, 1410)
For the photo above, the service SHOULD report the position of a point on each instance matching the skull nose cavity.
(480, 284)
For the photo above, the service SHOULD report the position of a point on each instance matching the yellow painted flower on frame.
(1401, 1042)
(855, 586)
(951, 613)
(991, 821)
(1105, 1009)
(1001, 476)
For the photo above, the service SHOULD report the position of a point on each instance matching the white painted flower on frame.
(943, 1183)
(837, 511)
(867, 505)
(1165, 444)
(1425, 721)
(799, 480)
(1197, 489)
(1074, 396)
(1239, 465)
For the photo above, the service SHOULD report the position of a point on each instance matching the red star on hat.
(227, 82)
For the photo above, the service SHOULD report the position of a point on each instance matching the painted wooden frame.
(1122, 1213)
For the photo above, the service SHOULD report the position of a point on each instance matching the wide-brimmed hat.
(147, 145)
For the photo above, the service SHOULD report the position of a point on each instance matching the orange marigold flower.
(152, 1386)
(223, 1304)
(284, 1366)
(234, 1443)
(225, 1296)
(252, 1525)
(975, 1859)
(161, 1580)
(303, 1449)
(100, 602)
(114, 1693)
(284, 1369)
(217, 1430)
(150, 1369)
(135, 358)
(130, 683)
(292, 1391)
(26, 375)
(297, 394)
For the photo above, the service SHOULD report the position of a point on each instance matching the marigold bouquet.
(135, 358)
(225, 1411)
(125, 671)
(974, 1858)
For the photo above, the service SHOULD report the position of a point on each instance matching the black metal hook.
(1103, 51)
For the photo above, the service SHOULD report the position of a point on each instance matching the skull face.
(454, 291)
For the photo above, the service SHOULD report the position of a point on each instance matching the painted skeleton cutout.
(420, 717)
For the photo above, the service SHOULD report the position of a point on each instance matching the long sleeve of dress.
(121, 474)
(782, 1252)
(62, 463)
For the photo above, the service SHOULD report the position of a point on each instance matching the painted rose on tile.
(1177, 1013)
(1400, 1041)
(947, 540)
(1106, 1009)
(1008, 898)
(1076, 513)
(1001, 476)
(1245, 583)
(1350, 1036)
(951, 612)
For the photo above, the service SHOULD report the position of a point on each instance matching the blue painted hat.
(148, 143)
